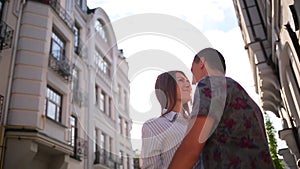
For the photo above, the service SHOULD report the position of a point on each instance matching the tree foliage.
(273, 144)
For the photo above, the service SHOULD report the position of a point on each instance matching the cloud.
(231, 46)
(196, 12)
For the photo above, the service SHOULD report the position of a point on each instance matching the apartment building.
(64, 88)
(270, 29)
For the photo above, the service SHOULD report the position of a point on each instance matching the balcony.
(55, 5)
(107, 159)
(289, 136)
(6, 36)
(62, 67)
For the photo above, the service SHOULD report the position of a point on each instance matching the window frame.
(76, 38)
(57, 105)
(100, 29)
(102, 105)
(102, 63)
(126, 126)
(120, 125)
(96, 94)
(59, 42)
(110, 108)
(103, 140)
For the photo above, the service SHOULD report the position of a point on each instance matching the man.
(226, 127)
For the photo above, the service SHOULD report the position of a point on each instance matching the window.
(110, 107)
(73, 134)
(121, 156)
(96, 94)
(1, 8)
(102, 101)
(57, 47)
(96, 148)
(102, 64)
(120, 125)
(126, 129)
(105, 67)
(80, 4)
(100, 29)
(53, 104)
(98, 59)
(110, 146)
(102, 141)
(76, 39)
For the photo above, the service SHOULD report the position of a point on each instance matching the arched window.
(101, 30)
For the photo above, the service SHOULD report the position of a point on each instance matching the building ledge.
(288, 157)
(56, 146)
(289, 137)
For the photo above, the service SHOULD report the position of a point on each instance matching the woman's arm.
(192, 145)
(151, 149)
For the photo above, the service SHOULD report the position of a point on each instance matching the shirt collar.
(171, 116)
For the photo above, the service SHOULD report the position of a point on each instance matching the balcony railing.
(55, 4)
(108, 159)
(62, 66)
(6, 36)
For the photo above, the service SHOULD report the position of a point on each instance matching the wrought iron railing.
(108, 159)
(55, 4)
(62, 66)
(6, 36)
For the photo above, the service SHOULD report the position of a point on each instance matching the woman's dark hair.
(213, 57)
(166, 90)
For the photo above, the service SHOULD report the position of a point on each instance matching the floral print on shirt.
(238, 139)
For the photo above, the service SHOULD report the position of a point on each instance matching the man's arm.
(192, 145)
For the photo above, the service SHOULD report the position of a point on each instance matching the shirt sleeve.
(210, 98)
(151, 149)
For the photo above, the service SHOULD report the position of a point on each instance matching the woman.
(161, 136)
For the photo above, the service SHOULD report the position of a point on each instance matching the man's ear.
(202, 62)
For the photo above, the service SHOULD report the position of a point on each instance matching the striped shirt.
(160, 139)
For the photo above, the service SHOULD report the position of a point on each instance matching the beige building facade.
(64, 88)
(270, 30)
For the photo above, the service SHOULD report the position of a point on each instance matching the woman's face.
(184, 88)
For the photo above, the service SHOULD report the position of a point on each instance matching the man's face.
(196, 71)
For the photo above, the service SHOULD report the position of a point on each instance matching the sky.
(215, 19)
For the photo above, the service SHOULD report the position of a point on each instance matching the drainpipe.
(11, 73)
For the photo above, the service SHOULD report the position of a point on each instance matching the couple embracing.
(225, 128)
